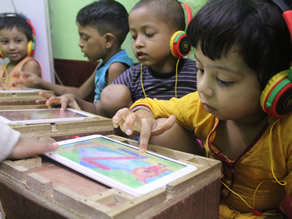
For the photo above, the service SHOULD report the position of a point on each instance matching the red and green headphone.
(31, 43)
(276, 98)
(179, 43)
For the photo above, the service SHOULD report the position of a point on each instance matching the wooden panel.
(21, 99)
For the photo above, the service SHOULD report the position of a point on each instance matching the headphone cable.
(280, 182)
(176, 77)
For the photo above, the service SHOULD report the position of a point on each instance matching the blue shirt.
(101, 71)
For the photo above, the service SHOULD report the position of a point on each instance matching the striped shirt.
(160, 86)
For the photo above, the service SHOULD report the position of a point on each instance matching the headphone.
(179, 44)
(276, 98)
(31, 43)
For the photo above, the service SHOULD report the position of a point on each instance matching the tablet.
(20, 90)
(119, 165)
(35, 116)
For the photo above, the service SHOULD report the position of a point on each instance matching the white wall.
(38, 13)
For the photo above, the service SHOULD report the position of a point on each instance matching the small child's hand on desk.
(26, 78)
(65, 100)
(28, 146)
(141, 121)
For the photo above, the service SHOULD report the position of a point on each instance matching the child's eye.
(4, 41)
(149, 35)
(134, 37)
(85, 39)
(18, 41)
(224, 83)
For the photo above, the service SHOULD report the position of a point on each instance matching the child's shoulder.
(28, 60)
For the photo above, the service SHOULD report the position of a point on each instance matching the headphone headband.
(179, 43)
(287, 14)
(276, 98)
(188, 13)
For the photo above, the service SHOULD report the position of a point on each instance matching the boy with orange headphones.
(242, 109)
(17, 42)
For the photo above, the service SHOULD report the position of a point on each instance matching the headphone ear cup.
(1, 54)
(179, 44)
(30, 48)
(276, 98)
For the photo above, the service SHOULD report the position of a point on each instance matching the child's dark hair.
(255, 27)
(11, 20)
(169, 11)
(108, 16)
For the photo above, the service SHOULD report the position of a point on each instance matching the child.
(17, 38)
(159, 74)
(12, 145)
(103, 27)
(239, 46)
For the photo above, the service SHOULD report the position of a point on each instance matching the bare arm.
(115, 70)
(32, 67)
(83, 91)
(113, 98)
(28, 146)
(68, 100)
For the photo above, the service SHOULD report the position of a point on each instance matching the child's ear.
(110, 39)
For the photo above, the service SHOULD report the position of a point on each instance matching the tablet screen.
(119, 165)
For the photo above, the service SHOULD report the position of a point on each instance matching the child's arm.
(113, 98)
(115, 70)
(34, 68)
(83, 91)
(69, 100)
(29, 146)
(13, 145)
(141, 121)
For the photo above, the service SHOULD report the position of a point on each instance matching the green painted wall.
(64, 29)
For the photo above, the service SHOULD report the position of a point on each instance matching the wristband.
(141, 106)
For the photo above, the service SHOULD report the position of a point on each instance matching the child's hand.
(26, 78)
(28, 146)
(65, 100)
(142, 121)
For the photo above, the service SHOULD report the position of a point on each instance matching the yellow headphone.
(30, 44)
(276, 98)
(179, 44)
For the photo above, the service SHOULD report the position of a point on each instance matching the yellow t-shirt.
(253, 167)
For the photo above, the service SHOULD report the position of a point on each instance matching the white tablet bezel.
(159, 183)
(8, 121)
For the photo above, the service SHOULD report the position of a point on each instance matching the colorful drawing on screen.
(125, 165)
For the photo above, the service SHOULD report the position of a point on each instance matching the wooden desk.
(12, 98)
(40, 188)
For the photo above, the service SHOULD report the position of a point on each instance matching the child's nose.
(80, 44)
(139, 42)
(11, 46)
(204, 85)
